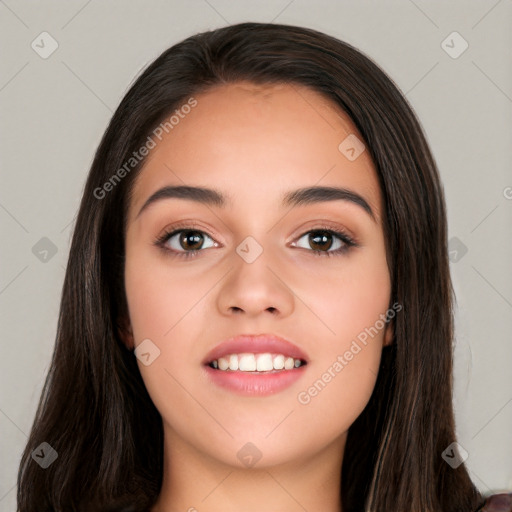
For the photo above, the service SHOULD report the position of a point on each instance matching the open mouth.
(256, 362)
(255, 365)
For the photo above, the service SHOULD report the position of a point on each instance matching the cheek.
(350, 309)
(170, 308)
(159, 297)
(166, 308)
(348, 300)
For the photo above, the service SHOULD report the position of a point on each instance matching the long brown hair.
(95, 411)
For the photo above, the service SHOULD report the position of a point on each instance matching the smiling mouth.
(255, 363)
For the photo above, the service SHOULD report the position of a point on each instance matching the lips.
(255, 383)
(255, 344)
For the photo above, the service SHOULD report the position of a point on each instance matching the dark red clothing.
(497, 503)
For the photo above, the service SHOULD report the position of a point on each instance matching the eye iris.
(194, 237)
(321, 238)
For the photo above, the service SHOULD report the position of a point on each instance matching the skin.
(254, 143)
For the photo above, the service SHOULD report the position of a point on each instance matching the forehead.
(256, 142)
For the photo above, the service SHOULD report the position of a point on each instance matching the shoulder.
(497, 503)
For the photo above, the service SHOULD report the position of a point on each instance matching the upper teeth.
(256, 362)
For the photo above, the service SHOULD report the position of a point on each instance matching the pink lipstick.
(255, 365)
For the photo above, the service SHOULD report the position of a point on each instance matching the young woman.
(257, 309)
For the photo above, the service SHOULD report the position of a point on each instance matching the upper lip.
(255, 344)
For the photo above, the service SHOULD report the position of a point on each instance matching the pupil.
(194, 237)
(321, 239)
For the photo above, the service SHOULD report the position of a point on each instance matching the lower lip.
(254, 383)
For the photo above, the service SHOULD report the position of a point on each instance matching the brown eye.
(321, 240)
(191, 240)
(325, 242)
(187, 240)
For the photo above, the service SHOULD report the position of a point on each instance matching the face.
(311, 272)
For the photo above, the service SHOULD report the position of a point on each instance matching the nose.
(255, 288)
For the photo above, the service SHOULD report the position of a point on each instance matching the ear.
(124, 329)
(389, 333)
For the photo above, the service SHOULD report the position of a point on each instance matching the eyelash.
(160, 242)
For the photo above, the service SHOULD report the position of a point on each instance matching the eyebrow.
(299, 197)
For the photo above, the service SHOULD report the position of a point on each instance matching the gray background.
(55, 110)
